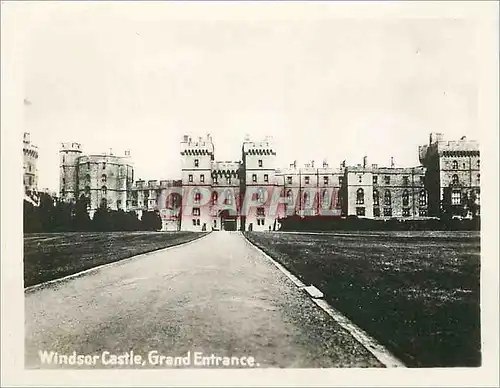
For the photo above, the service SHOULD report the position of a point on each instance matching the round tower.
(68, 162)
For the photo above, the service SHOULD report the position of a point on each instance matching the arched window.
(87, 178)
(455, 165)
(104, 178)
(261, 194)
(214, 197)
(478, 164)
(376, 198)
(360, 197)
(104, 202)
(422, 198)
(104, 190)
(478, 178)
(454, 179)
(306, 199)
(196, 196)
(326, 197)
(406, 198)
(228, 194)
(289, 196)
(87, 191)
(387, 198)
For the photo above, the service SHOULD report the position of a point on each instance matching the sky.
(139, 76)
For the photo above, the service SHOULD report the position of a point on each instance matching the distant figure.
(250, 227)
(269, 227)
(204, 227)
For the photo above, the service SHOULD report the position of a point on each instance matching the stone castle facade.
(253, 193)
(30, 160)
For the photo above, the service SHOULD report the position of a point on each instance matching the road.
(217, 295)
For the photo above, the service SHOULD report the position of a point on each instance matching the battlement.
(68, 146)
(264, 147)
(196, 147)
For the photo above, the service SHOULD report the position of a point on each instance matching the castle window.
(306, 180)
(266, 178)
(387, 212)
(196, 211)
(254, 178)
(197, 196)
(406, 181)
(422, 180)
(104, 202)
(326, 197)
(387, 198)
(289, 196)
(194, 222)
(118, 202)
(87, 178)
(376, 198)
(325, 180)
(104, 190)
(375, 179)
(260, 162)
(387, 179)
(214, 197)
(202, 178)
(456, 197)
(360, 179)
(341, 180)
(478, 164)
(360, 211)
(360, 197)
(306, 199)
(190, 178)
(104, 165)
(455, 165)
(63, 181)
(29, 166)
(196, 163)
(422, 198)
(87, 190)
(88, 165)
(261, 194)
(63, 192)
(463, 166)
(228, 197)
(454, 179)
(406, 212)
(30, 181)
(376, 212)
(422, 212)
(478, 179)
(289, 180)
(216, 179)
(406, 198)
(228, 180)
(103, 178)
(260, 211)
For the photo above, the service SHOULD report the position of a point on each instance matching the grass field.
(49, 256)
(415, 292)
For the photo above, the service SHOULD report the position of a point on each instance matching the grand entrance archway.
(227, 221)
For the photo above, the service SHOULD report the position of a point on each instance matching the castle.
(253, 193)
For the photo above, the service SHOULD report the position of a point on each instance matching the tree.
(151, 220)
(81, 218)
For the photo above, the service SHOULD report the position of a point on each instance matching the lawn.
(417, 293)
(49, 256)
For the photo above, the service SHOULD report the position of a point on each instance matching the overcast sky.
(139, 76)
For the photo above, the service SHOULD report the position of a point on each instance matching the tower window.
(254, 178)
(360, 179)
(387, 179)
(289, 180)
(341, 180)
(202, 178)
(88, 165)
(478, 178)
(266, 178)
(406, 198)
(478, 164)
(190, 178)
(196, 163)
(306, 180)
(422, 198)
(260, 162)
(455, 165)
(376, 198)
(104, 190)
(63, 181)
(104, 166)
(406, 181)
(454, 179)
(325, 180)
(387, 198)
(360, 197)
(375, 179)
(103, 178)
(456, 197)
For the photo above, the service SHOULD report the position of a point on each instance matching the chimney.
(392, 161)
(365, 161)
(127, 153)
(312, 163)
